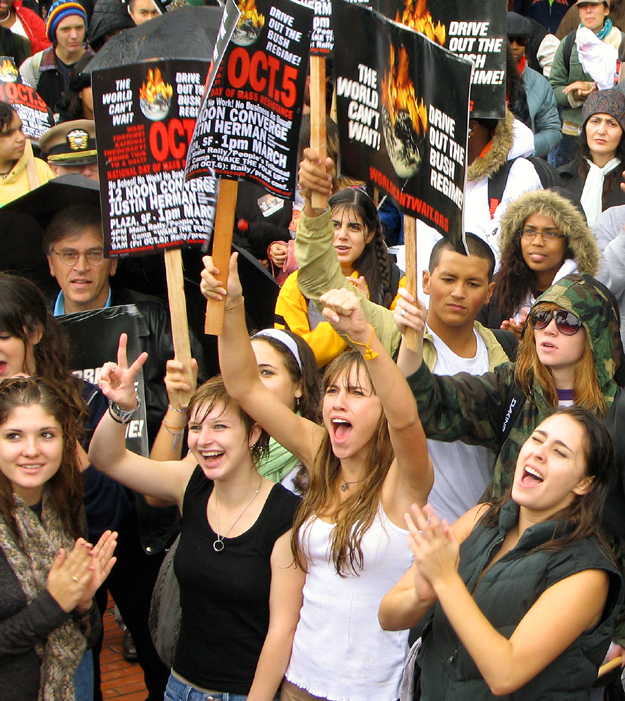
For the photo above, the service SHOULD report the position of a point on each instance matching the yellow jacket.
(17, 183)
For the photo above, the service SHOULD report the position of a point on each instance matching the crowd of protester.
(393, 493)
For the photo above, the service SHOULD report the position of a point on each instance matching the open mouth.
(548, 346)
(531, 477)
(211, 457)
(341, 430)
(32, 468)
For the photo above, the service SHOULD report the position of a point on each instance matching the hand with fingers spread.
(409, 313)
(433, 544)
(212, 288)
(117, 380)
(102, 561)
(70, 575)
(343, 310)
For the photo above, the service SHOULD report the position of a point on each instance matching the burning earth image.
(8, 71)
(404, 118)
(249, 25)
(417, 17)
(155, 96)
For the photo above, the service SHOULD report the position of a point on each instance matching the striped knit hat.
(58, 12)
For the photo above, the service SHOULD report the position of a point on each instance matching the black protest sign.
(249, 125)
(93, 337)
(145, 115)
(31, 109)
(472, 29)
(403, 105)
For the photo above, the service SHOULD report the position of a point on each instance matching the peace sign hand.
(117, 380)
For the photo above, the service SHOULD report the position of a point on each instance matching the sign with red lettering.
(249, 123)
(31, 109)
(403, 112)
(145, 116)
(472, 29)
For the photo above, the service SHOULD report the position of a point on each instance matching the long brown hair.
(582, 518)
(354, 516)
(529, 370)
(66, 486)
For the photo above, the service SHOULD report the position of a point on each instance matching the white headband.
(284, 338)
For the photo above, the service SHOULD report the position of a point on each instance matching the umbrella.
(189, 32)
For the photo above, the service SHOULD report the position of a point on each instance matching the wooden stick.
(609, 666)
(222, 247)
(318, 117)
(410, 240)
(177, 307)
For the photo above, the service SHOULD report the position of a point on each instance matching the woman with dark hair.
(525, 591)
(20, 171)
(595, 175)
(543, 237)
(361, 256)
(77, 102)
(48, 572)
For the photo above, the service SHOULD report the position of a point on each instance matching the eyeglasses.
(519, 41)
(71, 257)
(566, 322)
(531, 234)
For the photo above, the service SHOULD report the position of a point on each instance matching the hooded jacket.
(34, 26)
(473, 409)
(16, 182)
(511, 140)
(569, 220)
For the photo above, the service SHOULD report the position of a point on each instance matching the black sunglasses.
(519, 41)
(566, 322)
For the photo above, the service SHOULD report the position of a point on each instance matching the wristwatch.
(123, 416)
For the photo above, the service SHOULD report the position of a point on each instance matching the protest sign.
(249, 123)
(145, 115)
(93, 337)
(403, 105)
(472, 29)
(31, 109)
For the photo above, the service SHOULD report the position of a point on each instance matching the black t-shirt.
(224, 596)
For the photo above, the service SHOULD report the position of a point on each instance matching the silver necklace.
(345, 486)
(218, 545)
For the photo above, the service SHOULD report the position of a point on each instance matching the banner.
(93, 338)
(249, 124)
(145, 115)
(403, 107)
(31, 109)
(472, 29)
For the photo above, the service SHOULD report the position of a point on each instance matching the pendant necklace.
(218, 545)
(345, 486)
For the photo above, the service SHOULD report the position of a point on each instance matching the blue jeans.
(179, 691)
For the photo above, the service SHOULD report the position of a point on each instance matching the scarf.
(31, 560)
(277, 465)
(592, 194)
(598, 58)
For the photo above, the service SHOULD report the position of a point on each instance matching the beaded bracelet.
(180, 411)
(370, 354)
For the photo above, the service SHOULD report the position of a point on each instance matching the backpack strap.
(508, 341)
(496, 186)
(395, 278)
(568, 49)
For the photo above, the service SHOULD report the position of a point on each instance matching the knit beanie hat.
(610, 102)
(59, 11)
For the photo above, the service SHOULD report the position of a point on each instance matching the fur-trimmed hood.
(567, 218)
(502, 142)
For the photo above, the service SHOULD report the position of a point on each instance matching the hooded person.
(570, 354)
(543, 237)
(109, 18)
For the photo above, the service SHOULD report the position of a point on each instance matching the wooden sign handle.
(222, 246)
(178, 307)
(318, 118)
(410, 241)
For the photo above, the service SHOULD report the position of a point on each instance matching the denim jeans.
(179, 691)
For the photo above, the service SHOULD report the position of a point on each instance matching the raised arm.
(410, 476)
(319, 268)
(107, 451)
(239, 370)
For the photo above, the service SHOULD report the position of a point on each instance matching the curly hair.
(6, 117)
(66, 486)
(374, 263)
(23, 314)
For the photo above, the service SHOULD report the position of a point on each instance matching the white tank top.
(339, 651)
